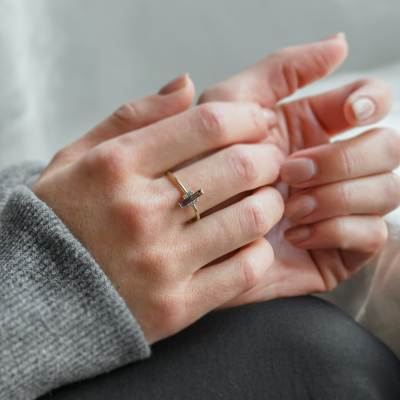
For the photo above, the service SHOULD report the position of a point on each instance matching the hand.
(321, 262)
(111, 192)
(340, 210)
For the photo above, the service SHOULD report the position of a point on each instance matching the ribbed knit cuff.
(61, 319)
(21, 174)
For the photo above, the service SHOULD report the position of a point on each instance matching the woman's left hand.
(339, 211)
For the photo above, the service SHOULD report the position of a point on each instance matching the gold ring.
(189, 198)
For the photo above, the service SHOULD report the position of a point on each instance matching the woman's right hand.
(116, 200)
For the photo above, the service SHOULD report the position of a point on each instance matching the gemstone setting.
(190, 198)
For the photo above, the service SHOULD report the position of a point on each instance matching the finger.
(377, 195)
(233, 227)
(226, 173)
(281, 74)
(175, 97)
(376, 151)
(363, 102)
(364, 234)
(166, 144)
(217, 284)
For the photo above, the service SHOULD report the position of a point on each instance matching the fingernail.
(363, 108)
(178, 83)
(339, 35)
(271, 117)
(298, 170)
(298, 234)
(300, 206)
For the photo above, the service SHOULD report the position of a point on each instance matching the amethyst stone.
(191, 198)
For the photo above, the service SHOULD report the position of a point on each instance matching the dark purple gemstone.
(194, 196)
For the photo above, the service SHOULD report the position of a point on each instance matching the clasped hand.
(243, 149)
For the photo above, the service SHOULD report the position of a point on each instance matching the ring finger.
(224, 174)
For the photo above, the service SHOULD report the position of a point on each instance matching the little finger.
(217, 284)
(233, 227)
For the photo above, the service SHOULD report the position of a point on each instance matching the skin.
(123, 209)
(346, 228)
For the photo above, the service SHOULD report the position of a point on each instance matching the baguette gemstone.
(191, 198)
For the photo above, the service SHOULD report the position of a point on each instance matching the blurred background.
(66, 64)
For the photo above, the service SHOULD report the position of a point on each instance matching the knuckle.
(212, 124)
(339, 226)
(61, 154)
(345, 195)
(288, 74)
(147, 212)
(251, 273)
(348, 160)
(394, 195)
(378, 235)
(255, 218)
(390, 189)
(284, 72)
(392, 139)
(127, 114)
(137, 213)
(109, 162)
(169, 309)
(242, 164)
(158, 261)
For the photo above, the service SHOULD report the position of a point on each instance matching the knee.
(322, 345)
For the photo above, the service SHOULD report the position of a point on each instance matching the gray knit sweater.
(61, 320)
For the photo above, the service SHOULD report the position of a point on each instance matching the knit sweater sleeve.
(61, 319)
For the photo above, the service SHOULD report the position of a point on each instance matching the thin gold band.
(189, 198)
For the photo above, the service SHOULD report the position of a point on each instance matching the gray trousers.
(294, 349)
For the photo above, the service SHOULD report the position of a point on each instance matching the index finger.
(280, 74)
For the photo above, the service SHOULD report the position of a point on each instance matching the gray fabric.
(61, 320)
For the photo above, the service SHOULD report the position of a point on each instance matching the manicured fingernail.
(271, 117)
(298, 234)
(339, 35)
(363, 108)
(300, 206)
(298, 170)
(176, 84)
